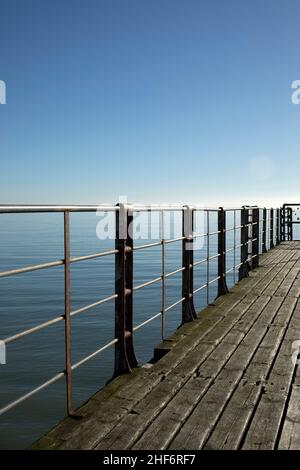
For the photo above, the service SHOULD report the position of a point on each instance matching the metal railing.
(256, 229)
(289, 218)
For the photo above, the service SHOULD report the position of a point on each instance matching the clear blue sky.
(159, 100)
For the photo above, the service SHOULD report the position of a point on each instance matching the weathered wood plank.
(264, 428)
(290, 436)
(230, 429)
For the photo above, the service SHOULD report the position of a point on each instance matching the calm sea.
(31, 298)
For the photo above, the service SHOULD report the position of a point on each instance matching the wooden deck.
(228, 382)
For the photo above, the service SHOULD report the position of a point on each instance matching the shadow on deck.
(229, 381)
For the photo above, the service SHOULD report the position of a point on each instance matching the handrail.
(28, 208)
(256, 227)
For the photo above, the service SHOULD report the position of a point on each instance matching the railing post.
(68, 370)
(271, 228)
(188, 309)
(289, 224)
(277, 226)
(222, 285)
(282, 224)
(125, 358)
(264, 231)
(244, 268)
(255, 238)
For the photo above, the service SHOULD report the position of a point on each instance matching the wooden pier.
(229, 380)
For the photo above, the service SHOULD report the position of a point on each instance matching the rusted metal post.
(163, 277)
(222, 285)
(271, 228)
(289, 223)
(264, 231)
(282, 224)
(244, 268)
(277, 226)
(125, 358)
(68, 369)
(234, 246)
(188, 309)
(255, 238)
(207, 257)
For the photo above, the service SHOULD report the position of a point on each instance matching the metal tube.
(234, 247)
(31, 268)
(204, 260)
(250, 246)
(173, 240)
(148, 245)
(205, 285)
(271, 228)
(230, 229)
(20, 335)
(172, 273)
(16, 402)
(31, 208)
(214, 280)
(51, 264)
(13, 209)
(200, 288)
(90, 356)
(92, 256)
(200, 235)
(264, 231)
(163, 254)
(201, 261)
(67, 313)
(277, 226)
(230, 270)
(51, 322)
(94, 304)
(255, 238)
(207, 258)
(137, 327)
(282, 224)
(175, 304)
(147, 283)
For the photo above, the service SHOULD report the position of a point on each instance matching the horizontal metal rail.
(51, 264)
(55, 320)
(31, 208)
